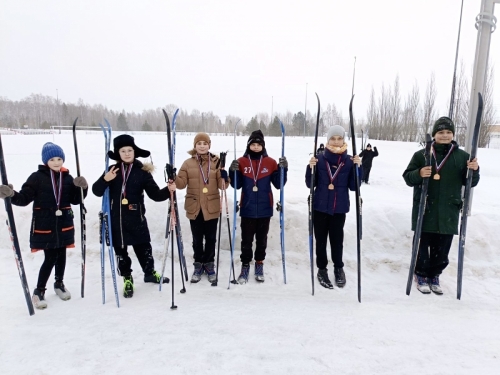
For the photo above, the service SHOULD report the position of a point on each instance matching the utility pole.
(485, 25)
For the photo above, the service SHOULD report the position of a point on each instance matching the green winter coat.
(444, 198)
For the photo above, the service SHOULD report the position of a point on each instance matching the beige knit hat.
(201, 137)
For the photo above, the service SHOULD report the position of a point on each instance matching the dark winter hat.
(51, 150)
(125, 140)
(201, 137)
(369, 145)
(443, 123)
(256, 137)
(335, 130)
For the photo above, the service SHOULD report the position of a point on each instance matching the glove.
(223, 174)
(170, 171)
(6, 191)
(283, 163)
(80, 182)
(235, 165)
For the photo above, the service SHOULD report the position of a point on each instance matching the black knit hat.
(369, 145)
(125, 140)
(443, 123)
(256, 137)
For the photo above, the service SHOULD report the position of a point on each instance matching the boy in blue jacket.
(255, 173)
(334, 177)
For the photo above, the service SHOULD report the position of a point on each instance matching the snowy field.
(268, 328)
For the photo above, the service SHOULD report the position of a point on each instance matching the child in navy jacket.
(334, 177)
(255, 173)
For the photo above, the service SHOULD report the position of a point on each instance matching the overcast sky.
(233, 57)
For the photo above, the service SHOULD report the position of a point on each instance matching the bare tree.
(429, 112)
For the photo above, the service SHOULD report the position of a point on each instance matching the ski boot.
(259, 271)
(39, 299)
(128, 286)
(62, 291)
(323, 278)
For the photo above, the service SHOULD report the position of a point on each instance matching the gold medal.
(330, 187)
(255, 188)
(205, 190)
(437, 177)
(124, 201)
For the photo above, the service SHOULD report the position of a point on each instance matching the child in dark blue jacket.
(255, 173)
(334, 177)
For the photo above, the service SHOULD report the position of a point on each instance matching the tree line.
(390, 116)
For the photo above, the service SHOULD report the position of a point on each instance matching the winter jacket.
(368, 156)
(256, 204)
(49, 231)
(336, 200)
(128, 221)
(190, 176)
(444, 198)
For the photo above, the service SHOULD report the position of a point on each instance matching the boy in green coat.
(447, 174)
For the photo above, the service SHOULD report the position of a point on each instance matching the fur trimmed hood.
(148, 167)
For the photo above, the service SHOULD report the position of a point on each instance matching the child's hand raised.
(111, 174)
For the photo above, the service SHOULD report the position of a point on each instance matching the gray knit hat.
(335, 130)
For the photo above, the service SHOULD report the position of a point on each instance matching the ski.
(222, 163)
(83, 211)
(171, 137)
(311, 200)
(281, 208)
(235, 211)
(359, 213)
(466, 198)
(105, 216)
(11, 225)
(420, 217)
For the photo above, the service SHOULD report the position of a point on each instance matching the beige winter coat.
(190, 176)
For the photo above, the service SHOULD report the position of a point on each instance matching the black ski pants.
(53, 257)
(329, 226)
(204, 229)
(366, 173)
(144, 254)
(433, 254)
(250, 228)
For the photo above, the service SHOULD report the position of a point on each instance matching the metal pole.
(485, 25)
(452, 99)
(305, 111)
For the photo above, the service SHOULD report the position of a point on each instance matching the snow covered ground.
(268, 328)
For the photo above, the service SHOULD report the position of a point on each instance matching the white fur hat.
(335, 130)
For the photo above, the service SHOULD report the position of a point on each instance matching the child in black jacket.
(52, 191)
(127, 180)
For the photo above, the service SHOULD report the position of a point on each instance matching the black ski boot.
(155, 277)
(128, 286)
(323, 278)
(339, 274)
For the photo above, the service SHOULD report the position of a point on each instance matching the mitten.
(6, 191)
(80, 182)
(235, 165)
(283, 163)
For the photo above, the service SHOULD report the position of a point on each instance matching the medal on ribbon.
(57, 189)
(332, 177)
(438, 167)
(255, 175)
(203, 177)
(125, 175)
